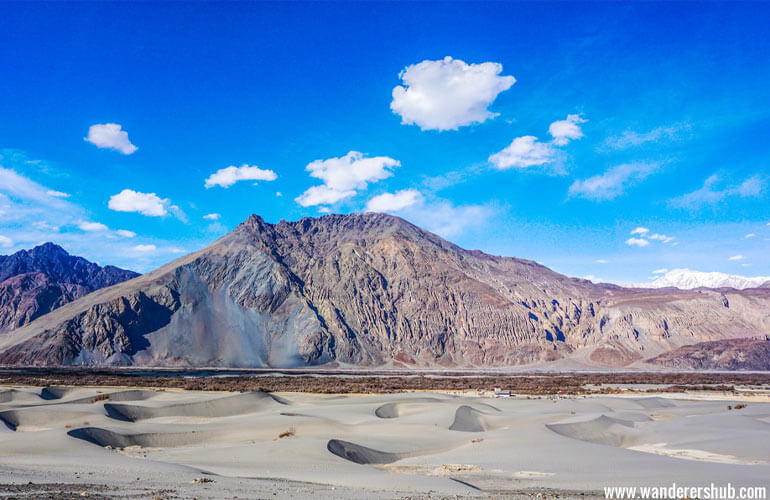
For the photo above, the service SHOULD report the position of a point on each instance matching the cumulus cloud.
(57, 194)
(214, 216)
(92, 226)
(226, 177)
(567, 130)
(110, 136)
(611, 183)
(661, 237)
(736, 257)
(392, 202)
(640, 230)
(448, 94)
(148, 204)
(5, 241)
(711, 193)
(660, 271)
(125, 233)
(342, 177)
(637, 242)
(524, 152)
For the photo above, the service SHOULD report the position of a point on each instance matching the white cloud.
(144, 248)
(660, 271)
(278, 194)
(343, 176)
(736, 257)
(92, 226)
(567, 130)
(602, 261)
(125, 233)
(226, 177)
(448, 94)
(148, 204)
(630, 138)
(110, 136)
(638, 242)
(661, 237)
(640, 230)
(393, 202)
(5, 241)
(711, 194)
(524, 152)
(214, 216)
(611, 183)
(57, 194)
(750, 235)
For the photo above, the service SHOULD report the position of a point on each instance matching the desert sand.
(142, 443)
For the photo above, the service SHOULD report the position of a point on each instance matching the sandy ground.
(135, 443)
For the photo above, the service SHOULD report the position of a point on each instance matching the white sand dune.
(374, 446)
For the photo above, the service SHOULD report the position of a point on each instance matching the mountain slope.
(35, 282)
(686, 279)
(369, 289)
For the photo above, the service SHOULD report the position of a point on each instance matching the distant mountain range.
(35, 282)
(375, 290)
(686, 279)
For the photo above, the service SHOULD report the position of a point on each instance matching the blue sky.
(115, 116)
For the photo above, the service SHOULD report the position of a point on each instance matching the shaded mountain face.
(372, 289)
(35, 282)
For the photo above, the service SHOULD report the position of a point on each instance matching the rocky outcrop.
(35, 282)
(735, 354)
(370, 289)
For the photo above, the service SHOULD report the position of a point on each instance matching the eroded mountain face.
(35, 282)
(369, 289)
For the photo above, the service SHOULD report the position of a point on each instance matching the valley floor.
(98, 442)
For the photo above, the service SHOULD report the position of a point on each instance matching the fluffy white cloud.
(5, 241)
(110, 136)
(710, 193)
(660, 271)
(611, 183)
(448, 94)
(640, 230)
(737, 257)
(567, 130)
(57, 194)
(343, 176)
(212, 216)
(144, 203)
(226, 177)
(144, 248)
(661, 237)
(524, 152)
(125, 233)
(92, 226)
(393, 202)
(637, 242)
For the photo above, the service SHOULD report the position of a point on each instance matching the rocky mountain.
(686, 279)
(373, 290)
(734, 354)
(35, 282)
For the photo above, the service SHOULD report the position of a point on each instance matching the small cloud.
(640, 230)
(567, 130)
(226, 177)
(144, 248)
(278, 194)
(524, 152)
(602, 261)
(592, 278)
(737, 257)
(631, 138)
(213, 216)
(392, 202)
(57, 194)
(5, 241)
(750, 235)
(745, 265)
(110, 136)
(448, 94)
(125, 233)
(637, 242)
(711, 193)
(92, 226)
(660, 271)
(343, 176)
(661, 237)
(148, 204)
(611, 183)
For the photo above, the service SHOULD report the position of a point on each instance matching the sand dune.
(600, 430)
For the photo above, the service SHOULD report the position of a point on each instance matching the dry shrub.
(291, 432)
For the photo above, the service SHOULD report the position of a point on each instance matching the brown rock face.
(35, 282)
(368, 289)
